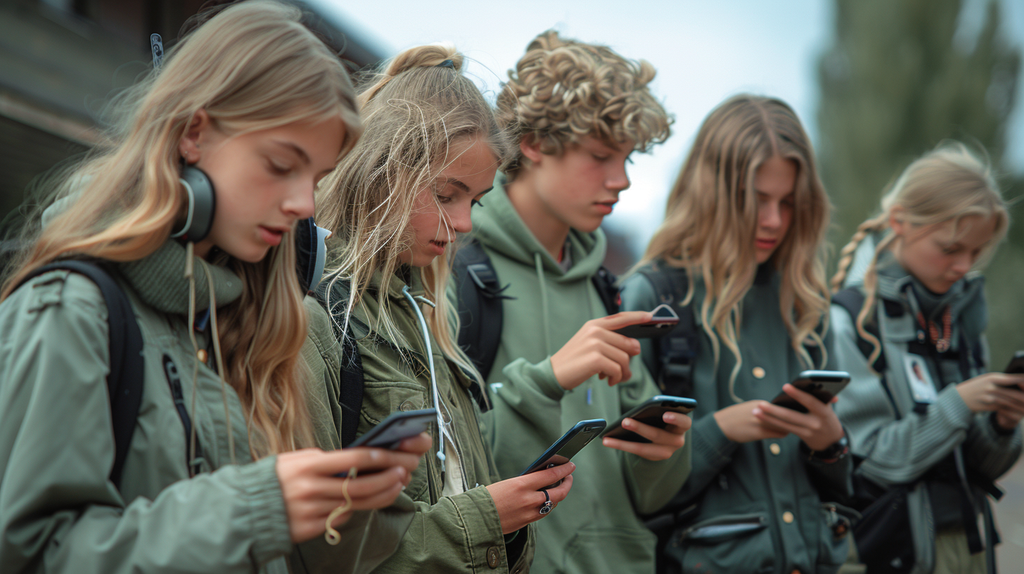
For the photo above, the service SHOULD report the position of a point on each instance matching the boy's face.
(581, 186)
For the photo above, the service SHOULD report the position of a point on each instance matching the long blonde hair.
(563, 90)
(416, 112)
(252, 66)
(711, 221)
(946, 184)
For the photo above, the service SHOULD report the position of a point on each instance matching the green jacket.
(901, 447)
(597, 527)
(448, 533)
(771, 482)
(58, 510)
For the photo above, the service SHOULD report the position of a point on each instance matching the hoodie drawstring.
(539, 264)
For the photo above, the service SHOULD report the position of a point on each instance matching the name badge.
(921, 386)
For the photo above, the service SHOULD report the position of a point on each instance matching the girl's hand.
(520, 499)
(1000, 392)
(312, 489)
(739, 424)
(819, 427)
(663, 443)
(597, 350)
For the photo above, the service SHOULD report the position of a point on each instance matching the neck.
(550, 231)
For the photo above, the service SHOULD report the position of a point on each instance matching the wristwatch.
(830, 454)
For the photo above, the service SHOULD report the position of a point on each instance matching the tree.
(899, 78)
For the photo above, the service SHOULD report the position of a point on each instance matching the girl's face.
(263, 180)
(442, 209)
(775, 185)
(939, 255)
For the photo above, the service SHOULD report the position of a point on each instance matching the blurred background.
(875, 82)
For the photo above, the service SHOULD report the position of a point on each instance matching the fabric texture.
(597, 528)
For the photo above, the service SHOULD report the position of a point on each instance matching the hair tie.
(447, 64)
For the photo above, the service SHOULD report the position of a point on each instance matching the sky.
(704, 52)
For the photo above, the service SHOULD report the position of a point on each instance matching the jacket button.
(758, 373)
(201, 355)
(775, 448)
(493, 556)
(787, 517)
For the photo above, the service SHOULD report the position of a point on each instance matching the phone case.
(649, 413)
(568, 445)
(824, 385)
(664, 320)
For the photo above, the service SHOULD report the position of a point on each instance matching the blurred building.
(61, 60)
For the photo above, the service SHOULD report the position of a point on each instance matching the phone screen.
(824, 385)
(396, 428)
(568, 445)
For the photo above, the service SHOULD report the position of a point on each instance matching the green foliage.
(899, 78)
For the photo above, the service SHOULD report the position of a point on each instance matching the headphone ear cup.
(202, 202)
(310, 253)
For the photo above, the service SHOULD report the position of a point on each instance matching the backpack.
(678, 349)
(480, 303)
(124, 381)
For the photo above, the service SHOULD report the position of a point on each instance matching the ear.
(530, 148)
(190, 146)
(896, 222)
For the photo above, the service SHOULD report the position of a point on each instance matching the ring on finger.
(548, 505)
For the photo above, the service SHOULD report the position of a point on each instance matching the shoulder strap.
(351, 392)
(480, 310)
(678, 349)
(605, 283)
(124, 382)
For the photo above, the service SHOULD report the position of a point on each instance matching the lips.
(605, 207)
(766, 243)
(272, 235)
(438, 246)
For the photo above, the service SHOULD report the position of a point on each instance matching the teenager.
(931, 423)
(578, 111)
(255, 103)
(396, 205)
(745, 225)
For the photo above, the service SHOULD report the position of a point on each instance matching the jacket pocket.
(730, 543)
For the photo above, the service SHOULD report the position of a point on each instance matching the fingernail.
(627, 423)
(756, 411)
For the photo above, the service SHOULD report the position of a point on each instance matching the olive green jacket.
(785, 498)
(461, 532)
(58, 510)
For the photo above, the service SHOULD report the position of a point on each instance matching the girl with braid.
(928, 419)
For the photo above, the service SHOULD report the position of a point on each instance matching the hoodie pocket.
(609, 550)
(731, 543)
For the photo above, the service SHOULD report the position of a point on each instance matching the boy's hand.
(663, 443)
(597, 350)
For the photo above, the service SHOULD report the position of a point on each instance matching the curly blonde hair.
(563, 90)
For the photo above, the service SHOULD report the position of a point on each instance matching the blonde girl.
(396, 206)
(931, 423)
(253, 102)
(744, 228)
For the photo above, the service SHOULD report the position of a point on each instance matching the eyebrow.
(463, 186)
(298, 150)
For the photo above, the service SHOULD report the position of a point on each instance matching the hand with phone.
(663, 320)
(652, 430)
(311, 489)
(999, 393)
(519, 499)
(596, 349)
(818, 427)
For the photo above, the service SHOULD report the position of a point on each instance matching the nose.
(299, 202)
(768, 215)
(459, 218)
(963, 263)
(617, 179)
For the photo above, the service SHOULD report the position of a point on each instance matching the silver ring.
(548, 505)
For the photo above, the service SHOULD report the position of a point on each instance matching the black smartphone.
(396, 428)
(566, 447)
(664, 320)
(649, 412)
(1016, 365)
(822, 384)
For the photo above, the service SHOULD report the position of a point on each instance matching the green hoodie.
(597, 528)
(450, 532)
(58, 510)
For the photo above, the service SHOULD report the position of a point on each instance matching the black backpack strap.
(124, 382)
(351, 388)
(605, 283)
(480, 310)
(677, 350)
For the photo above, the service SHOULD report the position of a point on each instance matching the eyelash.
(476, 203)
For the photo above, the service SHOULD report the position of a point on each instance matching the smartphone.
(1016, 365)
(822, 384)
(566, 447)
(649, 412)
(664, 320)
(396, 428)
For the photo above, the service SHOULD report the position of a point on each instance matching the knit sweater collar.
(159, 280)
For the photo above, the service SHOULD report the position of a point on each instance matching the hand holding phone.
(1016, 365)
(396, 428)
(649, 413)
(663, 321)
(824, 385)
(567, 446)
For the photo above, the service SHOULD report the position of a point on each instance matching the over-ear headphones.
(202, 201)
(310, 246)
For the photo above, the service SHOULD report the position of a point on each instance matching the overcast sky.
(703, 51)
